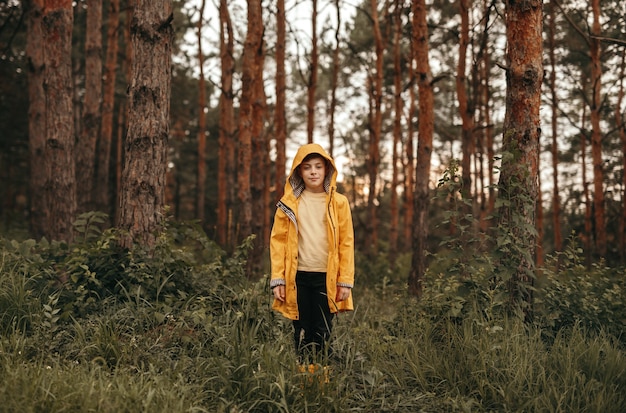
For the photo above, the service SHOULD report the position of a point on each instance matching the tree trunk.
(312, 84)
(518, 185)
(373, 161)
(397, 134)
(59, 186)
(409, 169)
(556, 201)
(465, 109)
(596, 133)
(334, 81)
(588, 235)
(145, 149)
(539, 224)
(36, 115)
(621, 128)
(201, 167)
(92, 116)
(424, 147)
(260, 155)
(103, 152)
(123, 112)
(280, 122)
(226, 163)
(252, 45)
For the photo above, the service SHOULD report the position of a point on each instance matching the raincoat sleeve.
(345, 276)
(278, 248)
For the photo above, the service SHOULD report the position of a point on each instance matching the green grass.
(207, 341)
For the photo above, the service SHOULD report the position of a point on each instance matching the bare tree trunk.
(409, 169)
(397, 133)
(226, 162)
(280, 122)
(59, 189)
(556, 201)
(596, 134)
(424, 147)
(518, 186)
(334, 81)
(619, 122)
(123, 116)
(92, 116)
(36, 115)
(201, 167)
(588, 234)
(373, 161)
(145, 149)
(312, 84)
(104, 143)
(252, 45)
(465, 109)
(260, 158)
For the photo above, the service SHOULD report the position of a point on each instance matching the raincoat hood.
(295, 184)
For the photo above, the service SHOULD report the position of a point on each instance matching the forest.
(144, 147)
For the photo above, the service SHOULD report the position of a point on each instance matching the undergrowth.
(93, 327)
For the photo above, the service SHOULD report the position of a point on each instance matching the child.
(312, 251)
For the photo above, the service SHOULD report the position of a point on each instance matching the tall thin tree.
(424, 147)
(376, 116)
(334, 81)
(397, 131)
(312, 82)
(621, 127)
(466, 109)
(554, 105)
(280, 119)
(226, 147)
(252, 45)
(36, 114)
(104, 142)
(92, 114)
(201, 161)
(260, 155)
(596, 131)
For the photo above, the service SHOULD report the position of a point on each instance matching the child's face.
(313, 172)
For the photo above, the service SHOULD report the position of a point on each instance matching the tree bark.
(596, 132)
(36, 115)
(424, 148)
(252, 45)
(59, 185)
(312, 84)
(226, 161)
(518, 186)
(373, 161)
(92, 115)
(280, 122)
(104, 143)
(409, 169)
(397, 133)
(260, 155)
(201, 165)
(465, 109)
(556, 200)
(621, 128)
(145, 150)
(334, 81)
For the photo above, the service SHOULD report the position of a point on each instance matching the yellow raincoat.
(284, 239)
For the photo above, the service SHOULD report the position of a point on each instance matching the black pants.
(312, 329)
